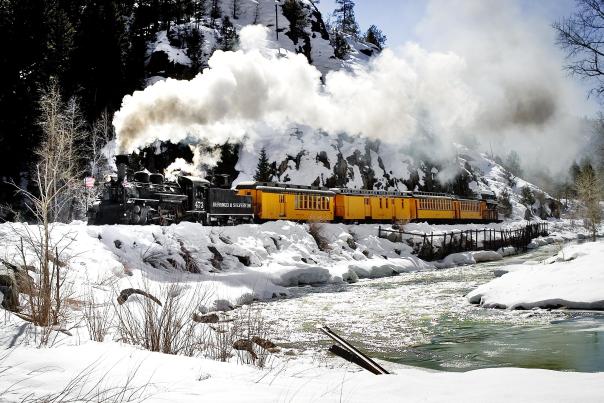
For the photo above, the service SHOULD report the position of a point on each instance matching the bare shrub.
(316, 230)
(251, 326)
(156, 257)
(166, 328)
(400, 224)
(87, 386)
(52, 198)
(190, 263)
(589, 189)
(246, 335)
(221, 341)
(97, 318)
(44, 262)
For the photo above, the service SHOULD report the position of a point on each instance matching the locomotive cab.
(196, 190)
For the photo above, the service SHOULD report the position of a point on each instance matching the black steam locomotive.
(147, 198)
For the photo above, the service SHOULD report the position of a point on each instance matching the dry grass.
(166, 328)
(316, 230)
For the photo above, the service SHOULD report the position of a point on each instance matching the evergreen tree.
(194, 48)
(505, 205)
(297, 17)
(340, 46)
(215, 12)
(527, 197)
(200, 10)
(376, 37)
(345, 19)
(512, 163)
(263, 169)
(229, 38)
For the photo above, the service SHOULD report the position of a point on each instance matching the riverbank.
(235, 266)
(572, 279)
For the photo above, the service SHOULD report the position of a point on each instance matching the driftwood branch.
(126, 293)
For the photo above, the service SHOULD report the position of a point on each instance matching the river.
(423, 319)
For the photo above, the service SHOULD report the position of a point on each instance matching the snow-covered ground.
(573, 279)
(234, 266)
(167, 378)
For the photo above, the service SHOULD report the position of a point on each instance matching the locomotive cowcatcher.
(147, 198)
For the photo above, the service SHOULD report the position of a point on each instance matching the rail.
(466, 240)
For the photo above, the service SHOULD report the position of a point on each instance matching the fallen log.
(126, 293)
(353, 351)
(245, 345)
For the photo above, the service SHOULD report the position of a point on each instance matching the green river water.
(423, 319)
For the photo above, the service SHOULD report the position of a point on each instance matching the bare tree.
(55, 183)
(589, 191)
(59, 156)
(582, 36)
(101, 134)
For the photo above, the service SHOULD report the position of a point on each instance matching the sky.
(402, 22)
(399, 19)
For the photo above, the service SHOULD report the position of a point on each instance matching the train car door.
(282, 205)
(367, 208)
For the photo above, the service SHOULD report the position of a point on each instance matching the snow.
(467, 258)
(162, 44)
(158, 377)
(278, 255)
(573, 279)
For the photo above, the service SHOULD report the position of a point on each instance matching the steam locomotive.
(144, 198)
(147, 198)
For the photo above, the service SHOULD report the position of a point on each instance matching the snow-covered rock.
(573, 279)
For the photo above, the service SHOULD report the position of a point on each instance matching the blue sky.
(398, 18)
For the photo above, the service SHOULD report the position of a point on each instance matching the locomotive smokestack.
(121, 161)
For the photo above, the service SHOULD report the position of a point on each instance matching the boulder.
(8, 289)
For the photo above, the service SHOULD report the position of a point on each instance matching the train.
(139, 198)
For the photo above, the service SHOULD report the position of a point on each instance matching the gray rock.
(9, 289)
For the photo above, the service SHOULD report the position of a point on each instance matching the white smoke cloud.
(253, 86)
(493, 77)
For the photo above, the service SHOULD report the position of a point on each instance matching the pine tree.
(229, 38)
(527, 197)
(263, 169)
(345, 19)
(376, 37)
(200, 10)
(215, 12)
(505, 205)
(297, 17)
(194, 47)
(340, 46)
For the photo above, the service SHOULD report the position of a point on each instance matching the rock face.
(8, 289)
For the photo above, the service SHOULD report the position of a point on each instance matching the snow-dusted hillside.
(314, 42)
(307, 156)
(317, 159)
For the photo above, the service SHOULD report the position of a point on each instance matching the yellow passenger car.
(274, 201)
(372, 205)
(470, 210)
(435, 208)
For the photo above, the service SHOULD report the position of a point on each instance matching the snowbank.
(236, 264)
(467, 258)
(573, 279)
(158, 377)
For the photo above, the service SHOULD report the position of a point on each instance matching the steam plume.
(505, 87)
